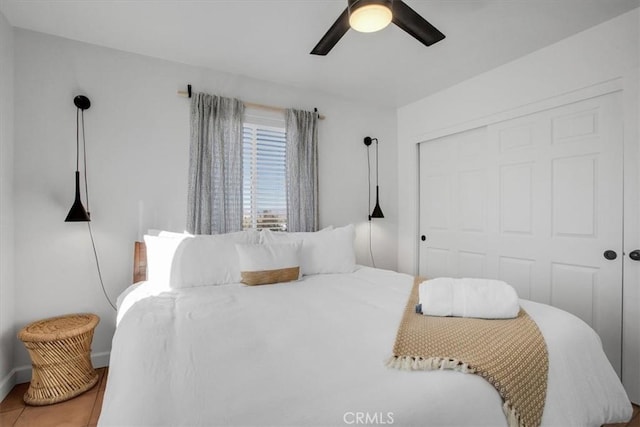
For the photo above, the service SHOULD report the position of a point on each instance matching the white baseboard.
(7, 383)
(22, 374)
(100, 360)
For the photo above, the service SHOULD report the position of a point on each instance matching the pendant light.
(77, 213)
(377, 212)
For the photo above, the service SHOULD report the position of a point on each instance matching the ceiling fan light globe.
(370, 18)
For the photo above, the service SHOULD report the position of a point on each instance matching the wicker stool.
(59, 348)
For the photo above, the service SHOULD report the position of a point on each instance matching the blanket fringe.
(513, 418)
(409, 363)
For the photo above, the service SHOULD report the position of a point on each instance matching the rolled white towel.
(481, 298)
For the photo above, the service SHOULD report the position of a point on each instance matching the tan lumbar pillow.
(269, 263)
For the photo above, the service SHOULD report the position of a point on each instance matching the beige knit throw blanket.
(509, 353)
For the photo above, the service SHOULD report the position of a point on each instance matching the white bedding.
(312, 353)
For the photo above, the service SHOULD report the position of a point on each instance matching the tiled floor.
(81, 411)
(84, 410)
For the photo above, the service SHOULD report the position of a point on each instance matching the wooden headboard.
(139, 262)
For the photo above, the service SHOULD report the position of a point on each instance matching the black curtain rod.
(189, 92)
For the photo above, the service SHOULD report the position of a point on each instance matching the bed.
(312, 352)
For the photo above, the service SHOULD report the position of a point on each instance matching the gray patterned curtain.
(302, 170)
(215, 165)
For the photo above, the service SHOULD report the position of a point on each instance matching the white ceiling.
(271, 39)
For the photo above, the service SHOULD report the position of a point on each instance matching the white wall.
(137, 143)
(602, 53)
(7, 331)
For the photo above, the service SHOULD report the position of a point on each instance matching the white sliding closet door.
(535, 201)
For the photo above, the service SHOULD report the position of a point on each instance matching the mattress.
(312, 353)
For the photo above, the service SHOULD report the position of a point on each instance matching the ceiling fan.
(372, 15)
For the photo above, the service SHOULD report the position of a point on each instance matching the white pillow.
(160, 258)
(165, 233)
(267, 236)
(209, 259)
(269, 263)
(325, 251)
(174, 262)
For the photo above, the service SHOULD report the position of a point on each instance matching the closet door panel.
(535, 201)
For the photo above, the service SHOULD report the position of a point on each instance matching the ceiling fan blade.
(414, 24)
(335, 33)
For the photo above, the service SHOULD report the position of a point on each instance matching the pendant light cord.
(369, 182)
(86, 193)
(77, 139)
(373, 262)
(376, 160)
(95, 253)
(84, 153)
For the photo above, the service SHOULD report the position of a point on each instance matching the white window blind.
(264, 181)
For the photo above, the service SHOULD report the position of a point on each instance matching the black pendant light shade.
(78, 213)
(377, 212)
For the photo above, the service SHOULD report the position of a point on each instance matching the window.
(264, 181)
